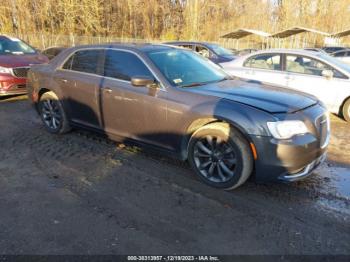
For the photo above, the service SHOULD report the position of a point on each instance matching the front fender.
(247, 119)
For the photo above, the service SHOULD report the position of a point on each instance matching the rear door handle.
(107, 90)
(64, 80)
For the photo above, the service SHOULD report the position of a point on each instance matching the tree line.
(168, 19)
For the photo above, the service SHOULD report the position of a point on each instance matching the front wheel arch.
(226, 131)
(199, 123)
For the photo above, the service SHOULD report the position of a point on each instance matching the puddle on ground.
(334, 205)
(338, 181)
(335, 191)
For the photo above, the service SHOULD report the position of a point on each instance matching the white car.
(342, 55)
(311, 72)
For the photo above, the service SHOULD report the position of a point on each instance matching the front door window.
(309, 66)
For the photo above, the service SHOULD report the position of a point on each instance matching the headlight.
(5, 70)
(287, 129)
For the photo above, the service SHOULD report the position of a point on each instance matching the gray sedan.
(178, 102)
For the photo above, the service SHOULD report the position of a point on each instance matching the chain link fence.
(42, 41)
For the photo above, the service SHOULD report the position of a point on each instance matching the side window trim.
(312, 58)
(283, 63)
(70, 58)
(101, 61)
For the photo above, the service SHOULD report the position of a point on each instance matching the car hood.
(22, 60)
(265, 97)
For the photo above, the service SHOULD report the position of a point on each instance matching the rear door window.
(86, 61)
(124, 65)
(266, 61)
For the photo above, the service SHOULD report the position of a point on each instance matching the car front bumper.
(11, 85)
(295, 158)
(287, 161)
(305, 172)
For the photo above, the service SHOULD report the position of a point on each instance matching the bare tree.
(168, 19)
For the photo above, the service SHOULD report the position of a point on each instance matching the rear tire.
(346, 110)
(52, 114)
(220, 156)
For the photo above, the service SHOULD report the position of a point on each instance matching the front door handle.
(107, 90)
(64, 80)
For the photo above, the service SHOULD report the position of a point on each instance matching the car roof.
(187, 43)
(8, 37)
(143, 47)
(56, 47)
(284, 51)
(312, 48)
(325, 47)
(280, 51)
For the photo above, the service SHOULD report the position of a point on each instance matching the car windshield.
(185, 68)
(219, 50)
(335, 62)
(14, 46)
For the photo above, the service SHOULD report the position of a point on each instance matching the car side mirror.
(327, 74)
(143, 81)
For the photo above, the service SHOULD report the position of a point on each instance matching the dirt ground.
(83, 194)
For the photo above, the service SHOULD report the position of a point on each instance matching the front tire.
(52, 114)
(346, 110)
(220, 156)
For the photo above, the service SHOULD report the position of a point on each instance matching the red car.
(15, 60)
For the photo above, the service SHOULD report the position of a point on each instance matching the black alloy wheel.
(220, 156)
(215, 158)
(51, 114)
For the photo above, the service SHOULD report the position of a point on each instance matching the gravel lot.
(83, 194)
